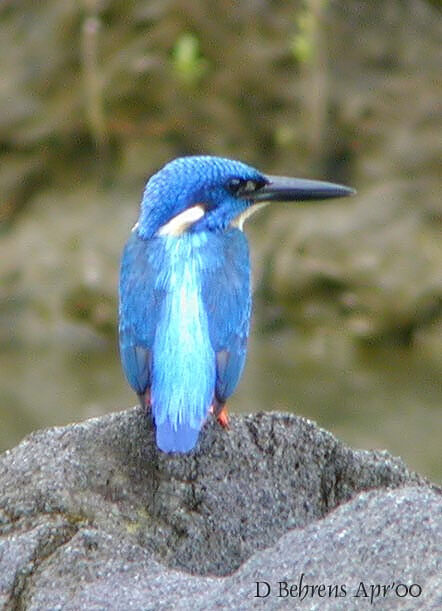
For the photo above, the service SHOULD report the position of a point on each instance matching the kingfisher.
(185, 290)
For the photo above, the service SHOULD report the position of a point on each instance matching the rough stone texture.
(92, 516)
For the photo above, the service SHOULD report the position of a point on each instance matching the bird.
(185, 288)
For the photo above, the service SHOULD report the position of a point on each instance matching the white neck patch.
(182, 221)
(239, 220)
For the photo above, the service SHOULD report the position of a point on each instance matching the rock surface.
(92, 516)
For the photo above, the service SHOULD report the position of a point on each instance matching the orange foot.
(223, 418)
(221, 415)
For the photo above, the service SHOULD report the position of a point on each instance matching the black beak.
(283, 189)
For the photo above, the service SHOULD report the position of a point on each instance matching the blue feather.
(227, 298)
(185, 287)
(138, 312)
(186, 300)
(183, 370)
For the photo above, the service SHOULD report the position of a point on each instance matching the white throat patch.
(239, 220)
(182, 221)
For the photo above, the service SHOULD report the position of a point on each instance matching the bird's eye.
(234, 185)
(241, 187)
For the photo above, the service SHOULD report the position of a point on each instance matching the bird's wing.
(227, 299)
(138, 312)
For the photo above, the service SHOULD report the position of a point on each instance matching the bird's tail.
(183, 362)
(183, 377)
(180, 415)
(180, 439)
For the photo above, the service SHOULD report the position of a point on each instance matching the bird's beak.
(283, 189)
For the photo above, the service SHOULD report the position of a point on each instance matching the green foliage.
(115, 88)
(303, 42)
(188, 64)
(308, 23)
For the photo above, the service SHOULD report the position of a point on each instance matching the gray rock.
(92, 516)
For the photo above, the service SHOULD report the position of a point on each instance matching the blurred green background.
(97, 95)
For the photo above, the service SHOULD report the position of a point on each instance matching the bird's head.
(205, 193)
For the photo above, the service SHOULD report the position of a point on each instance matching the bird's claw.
(221, 415)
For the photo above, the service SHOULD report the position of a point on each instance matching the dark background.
(97, 95)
